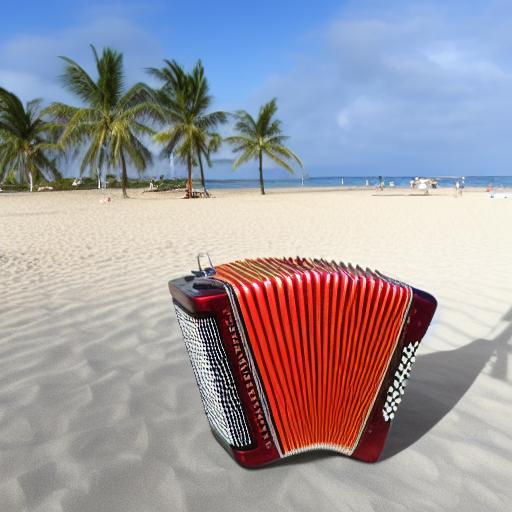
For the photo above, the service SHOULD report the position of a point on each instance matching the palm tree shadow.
(440, 380)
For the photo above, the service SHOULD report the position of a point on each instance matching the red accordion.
(294, 354)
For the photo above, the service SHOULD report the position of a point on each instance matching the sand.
(99, 411)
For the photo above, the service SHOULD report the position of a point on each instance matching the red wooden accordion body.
(295, 354)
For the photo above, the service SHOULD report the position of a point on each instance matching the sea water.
(361, 182)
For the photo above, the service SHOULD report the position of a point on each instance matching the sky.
(364, 88)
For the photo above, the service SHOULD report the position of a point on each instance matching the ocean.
(358, 181)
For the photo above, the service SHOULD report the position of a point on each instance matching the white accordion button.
(397, 390)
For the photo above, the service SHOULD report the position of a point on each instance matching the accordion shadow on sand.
(441, 380)
(293, 355)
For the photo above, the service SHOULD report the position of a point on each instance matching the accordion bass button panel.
(318, 354)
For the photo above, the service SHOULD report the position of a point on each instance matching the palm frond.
(110, 77)
(76, 80)
(248, 154)
(214, 143)
(265, 115)
(169, 139)
(139, 155)
(284, 152)
(279, 161)
(239, 140)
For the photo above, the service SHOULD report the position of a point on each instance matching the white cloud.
(343, 119)
(29, 64)
(429, 91)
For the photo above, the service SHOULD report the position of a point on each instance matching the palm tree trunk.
(262, 186)
(124, 175)
(189, 181)
(202, 173)
(30, 180)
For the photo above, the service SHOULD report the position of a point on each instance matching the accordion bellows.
(297, 354)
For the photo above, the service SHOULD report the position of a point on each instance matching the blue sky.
(364, 88)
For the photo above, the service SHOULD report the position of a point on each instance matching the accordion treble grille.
(214, 378)
(322, 336)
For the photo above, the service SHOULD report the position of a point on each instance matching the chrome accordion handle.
(207, 270)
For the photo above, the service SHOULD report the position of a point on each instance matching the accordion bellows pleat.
(294, 354)
(322, 336)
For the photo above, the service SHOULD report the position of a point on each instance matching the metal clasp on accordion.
(204, 271)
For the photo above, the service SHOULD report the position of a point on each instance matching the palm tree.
(26, 143)
(261, 137)
(112, 120)
(185, 101)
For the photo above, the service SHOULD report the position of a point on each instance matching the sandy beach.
(99, 410)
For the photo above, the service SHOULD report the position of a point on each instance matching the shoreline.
(222, 192)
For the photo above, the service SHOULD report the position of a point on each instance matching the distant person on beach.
(457, 188)
(381, 183)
